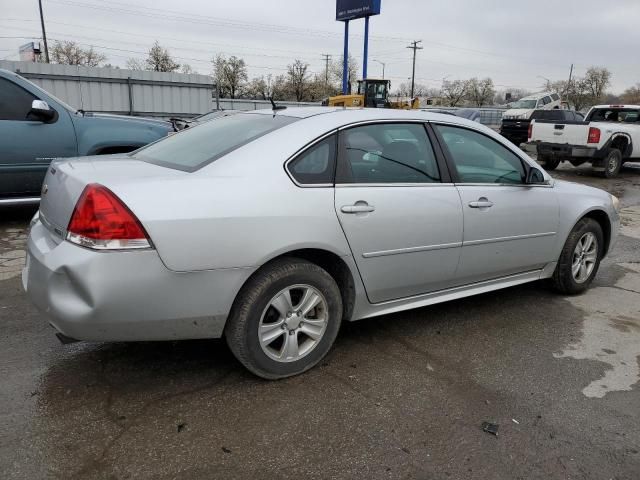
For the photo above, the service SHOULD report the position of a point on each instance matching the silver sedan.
(270, 228)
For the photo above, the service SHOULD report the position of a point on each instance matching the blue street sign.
(350, 9)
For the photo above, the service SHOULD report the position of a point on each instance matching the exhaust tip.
(64, 340)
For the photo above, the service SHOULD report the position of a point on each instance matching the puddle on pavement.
(614, 340)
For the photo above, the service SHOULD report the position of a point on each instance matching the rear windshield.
(626, 115)
(196, 147)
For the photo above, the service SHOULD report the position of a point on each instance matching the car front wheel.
(580, 258)
(285, 319)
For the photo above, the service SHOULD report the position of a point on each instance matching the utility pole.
(414, 46)
(326, 57)
(44, 33)
(567, 90)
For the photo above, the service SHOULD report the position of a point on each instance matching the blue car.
(36, 127)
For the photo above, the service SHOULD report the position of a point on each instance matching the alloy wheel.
(585, 256)
(293, 323)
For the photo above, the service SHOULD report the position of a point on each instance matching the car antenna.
(276, 107)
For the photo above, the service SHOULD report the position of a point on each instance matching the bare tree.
(480, 92)
(186, 68)
(631, 95)
(70, 53)
(159, 60)
(579, 94)
(335, 70)
(454, 91)
(231, 74)
(135, 64)
(297, 79)
(419, 90)
(597, 80)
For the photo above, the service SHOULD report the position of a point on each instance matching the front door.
(27, 145)
(402, 222)
(509, 227)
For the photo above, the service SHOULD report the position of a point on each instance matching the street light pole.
(44, 33)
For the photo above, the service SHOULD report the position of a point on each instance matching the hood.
(518, 113)
(129, 118)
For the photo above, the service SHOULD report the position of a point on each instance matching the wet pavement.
(400, 396)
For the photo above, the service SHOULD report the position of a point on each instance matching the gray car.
(270, 228)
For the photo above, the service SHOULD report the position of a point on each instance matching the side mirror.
(41, 110)
(534, 177)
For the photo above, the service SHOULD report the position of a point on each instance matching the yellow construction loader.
(372, 93)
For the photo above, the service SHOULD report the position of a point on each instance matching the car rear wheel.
(580, 258)
(548, 162)
(285, 319)
(612, 163)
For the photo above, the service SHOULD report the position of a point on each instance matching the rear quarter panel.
(239, 211)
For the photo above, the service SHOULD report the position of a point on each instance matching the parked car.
(36, 127)
(523, 108)
(517, 130)
(608, 137)
(270, 228)
(181, 124)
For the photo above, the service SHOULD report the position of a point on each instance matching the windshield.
(196, 147)
(524, 104)
(627, 115)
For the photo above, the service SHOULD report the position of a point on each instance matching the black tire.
(612, 163)
(548, 162)
(241, 330)
(563, 280)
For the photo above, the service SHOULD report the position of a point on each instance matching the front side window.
(480, 159)
(15, 102)
(315, 165)
(387, 153)
(196, 147)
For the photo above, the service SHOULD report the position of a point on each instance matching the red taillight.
(594, 135)
(101, 221)
(530, 131)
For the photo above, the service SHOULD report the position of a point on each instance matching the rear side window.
(315, 166)
(196, 147)
(555, 97)
(386, 153)
(15, 102)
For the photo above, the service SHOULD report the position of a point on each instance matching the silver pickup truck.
(607, 138)
(36, 127)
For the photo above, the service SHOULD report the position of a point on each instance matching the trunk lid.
(66, 179)
(560, 132)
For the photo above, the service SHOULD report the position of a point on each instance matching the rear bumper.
(124, 296)
(566, 151)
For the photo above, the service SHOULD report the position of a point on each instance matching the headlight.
(616, 203)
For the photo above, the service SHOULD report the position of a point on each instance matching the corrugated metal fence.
(112, 90)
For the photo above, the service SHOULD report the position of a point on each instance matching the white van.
(523, 108)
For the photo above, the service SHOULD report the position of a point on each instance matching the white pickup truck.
(608, 137)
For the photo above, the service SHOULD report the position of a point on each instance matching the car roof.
(343, 115)
(616, 106)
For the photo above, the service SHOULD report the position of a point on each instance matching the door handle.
(358, 208)
(482, 202)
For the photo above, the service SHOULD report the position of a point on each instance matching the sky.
(518, 43)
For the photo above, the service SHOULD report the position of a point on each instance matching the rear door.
(509, 227)
(27, 145)
(399, 210)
